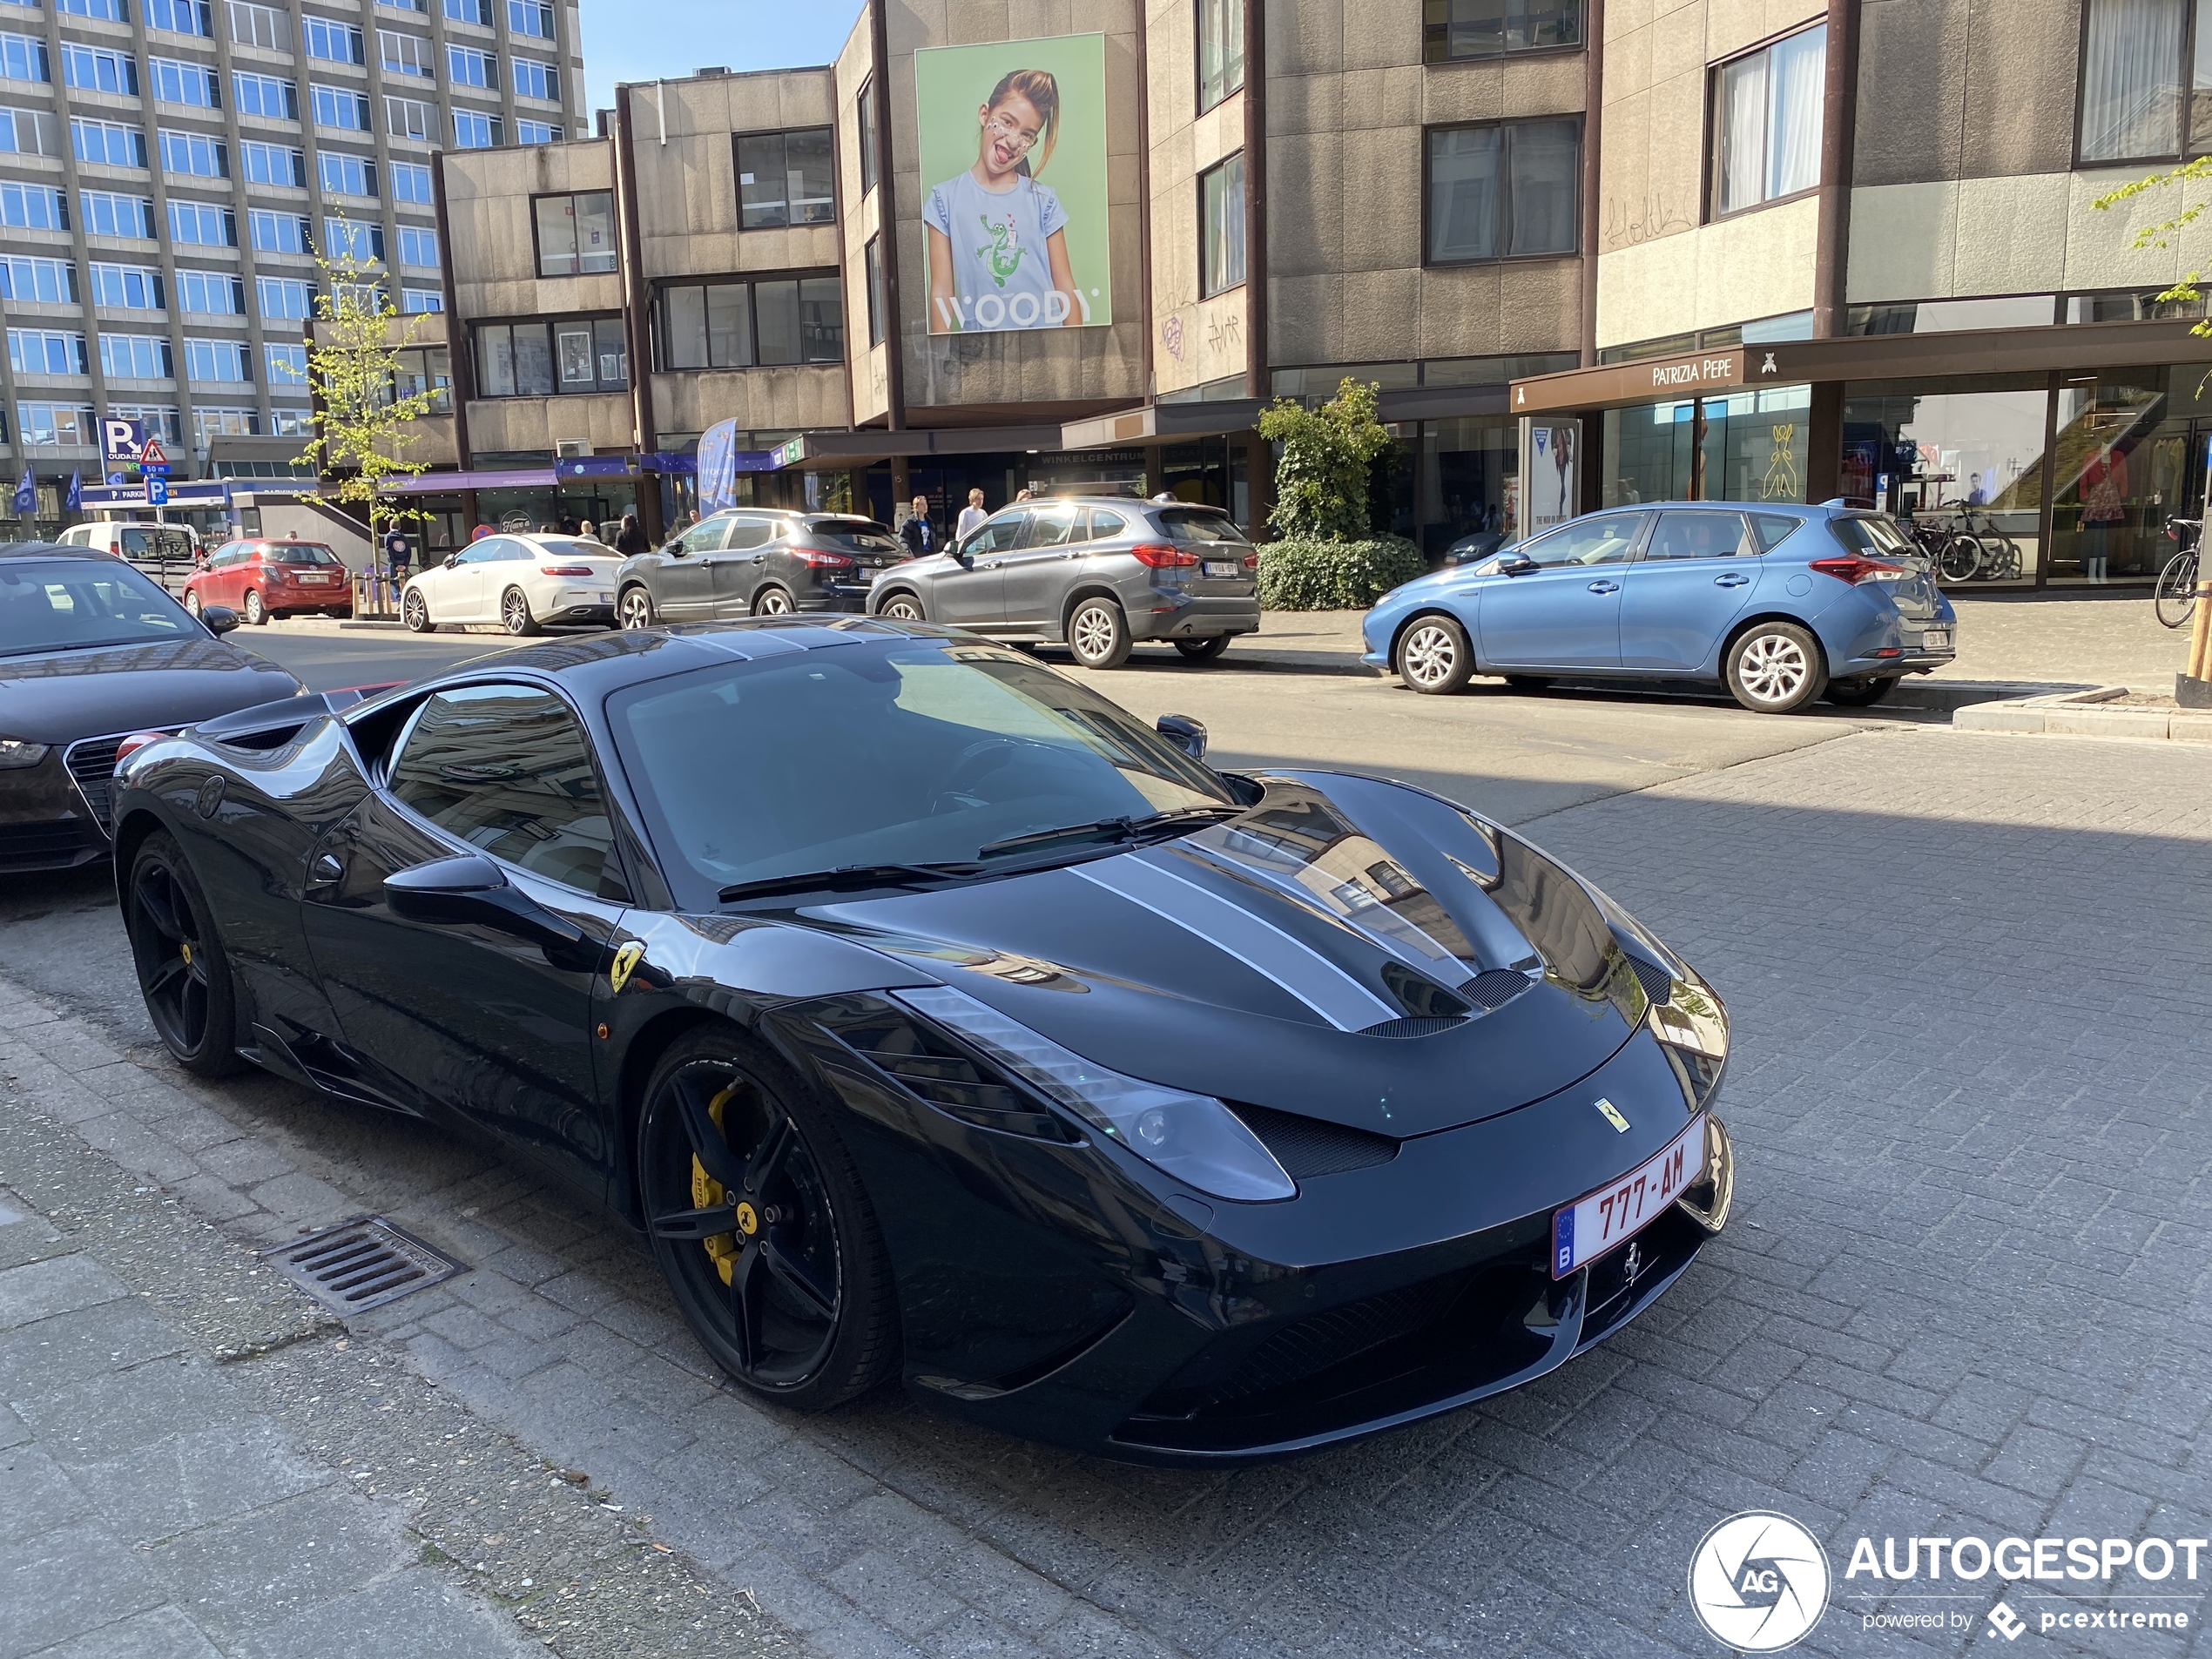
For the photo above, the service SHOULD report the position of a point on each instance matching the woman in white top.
(997, 257)
(971, 516)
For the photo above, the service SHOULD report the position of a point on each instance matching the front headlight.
(17, 752)
(1193, 1137)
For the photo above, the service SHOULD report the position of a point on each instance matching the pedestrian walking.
(396, 552)
(918, 533)
(971, 516)
(631, 538)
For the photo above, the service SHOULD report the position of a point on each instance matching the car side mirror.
(1187, 734)
(469, 890)
(451, 560)
(220, 619)
(1517, 564)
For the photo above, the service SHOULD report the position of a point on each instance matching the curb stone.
(2080, 714)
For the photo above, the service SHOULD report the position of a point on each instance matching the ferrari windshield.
(65, 604)
(902, 752)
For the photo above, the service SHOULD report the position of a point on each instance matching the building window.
(576, 233)
(345, 175)
(529, 132)
(194, 156)
(275, 232)
(271, 164)
(419, 246)
(109, 213)
(474, 130)
(1766, 122)
(177, 82)
(533, 79)
(225, 424)
(867, 112)
(416, 301)
(216, 361)
(745, 324)
(410, 182)
(878, 302)
(91, 70)
(1506, 191)
(106, 11)
(784, 178)
(284, 297)
(408, 118)
(160, 420)
(352, 238)
(180, 16)
(202, 224)
(422, 369)
(467, 67)
(1453, 31)
(270, 97)
(339, 107)
(33, 207)
(129, 287)
(528, 17)
(107, 144)
(23, 59)
(46, 351)
(288, 365)
(476, 11)
(335, 42)
(1221, 227)
(136, 357)
(262, 26)
(33, 280)
(404, 54)
(1221, 51)
(541, 359)
(208, 294)
(2147, 80)
(296, 423)
(28, 132)
(51, 425)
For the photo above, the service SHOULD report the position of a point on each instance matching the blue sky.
(639, 40)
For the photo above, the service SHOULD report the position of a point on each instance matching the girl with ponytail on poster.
(997, 257)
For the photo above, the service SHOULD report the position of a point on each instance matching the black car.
(756, 562)
(91, 649)
(930, 1015)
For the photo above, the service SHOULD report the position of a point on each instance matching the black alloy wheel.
(182, 970)
(757, 1218)
(514, 612)
(1203, 650)
(415, 612)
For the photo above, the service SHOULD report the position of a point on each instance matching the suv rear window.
(1188, 526)
(299, 553)
(853, 535)
(1869, 533)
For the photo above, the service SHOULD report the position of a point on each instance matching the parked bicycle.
(1976, 551)
(2176, 594)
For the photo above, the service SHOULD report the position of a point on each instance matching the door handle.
(1733, 579)
(1605, 587)
(760, 558)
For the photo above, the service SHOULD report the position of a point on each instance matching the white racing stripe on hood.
(1261, 946)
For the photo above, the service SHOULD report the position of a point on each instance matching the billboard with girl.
(1013, 152)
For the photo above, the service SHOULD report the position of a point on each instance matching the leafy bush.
(1308, 575)
(1321, 481)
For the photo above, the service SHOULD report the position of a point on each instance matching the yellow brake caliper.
(706, 1192)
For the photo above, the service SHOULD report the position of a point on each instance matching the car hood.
(58, 696)
(1348, 949)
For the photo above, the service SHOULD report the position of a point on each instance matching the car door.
(1565, 612)
(683, 586)
(457, 1015)
(1036, 574)
(458, 594)
(1697, 571)
(972, 592)
(739, 565)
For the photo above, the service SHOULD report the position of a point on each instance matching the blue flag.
(26, 496)
(76, 491)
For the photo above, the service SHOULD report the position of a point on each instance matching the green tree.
(2198, 172)
(363, 426)
(1321, 481)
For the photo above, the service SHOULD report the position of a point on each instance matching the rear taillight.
(135, 742)
(1161, 557)
(1856, 570)
(1251, 560)
(565, 570)
(821, 561)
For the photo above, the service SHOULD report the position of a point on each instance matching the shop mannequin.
(2104, 492)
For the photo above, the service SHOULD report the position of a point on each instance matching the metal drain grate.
(360, 1265)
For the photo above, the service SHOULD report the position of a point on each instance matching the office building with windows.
(170, 168)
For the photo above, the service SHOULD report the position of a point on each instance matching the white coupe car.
(520, 581)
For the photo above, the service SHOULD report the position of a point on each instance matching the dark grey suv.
(1099, 573)
(755, 562)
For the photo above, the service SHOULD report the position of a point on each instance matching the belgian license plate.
(1935, 639)
(606, 598)
(1223, 567)
(1588, 1228)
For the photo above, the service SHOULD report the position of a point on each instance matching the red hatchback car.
(260, 578)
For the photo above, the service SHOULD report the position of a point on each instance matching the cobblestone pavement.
(1968, 1290)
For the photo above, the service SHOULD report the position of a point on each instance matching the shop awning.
(866, 445)
(1155, 422)
(442, 483)
(2079, 347)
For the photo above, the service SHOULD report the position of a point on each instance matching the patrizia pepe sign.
(1721, 369)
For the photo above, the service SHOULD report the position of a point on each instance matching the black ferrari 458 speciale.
(928, 1013)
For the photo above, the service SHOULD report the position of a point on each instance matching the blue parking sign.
(157, 492)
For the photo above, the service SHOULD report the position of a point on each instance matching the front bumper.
(44, 822)
(850, 598)
(1174, 616)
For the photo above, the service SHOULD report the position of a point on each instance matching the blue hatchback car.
(1782, 604)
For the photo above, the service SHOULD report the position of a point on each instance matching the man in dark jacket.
(918, 533)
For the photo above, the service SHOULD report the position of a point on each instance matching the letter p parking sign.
(122, 441)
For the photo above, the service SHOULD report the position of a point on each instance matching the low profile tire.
(903, 607)
(256, 612)
(773, 601)
(1203, 650)
(1098, 634)
(634, 609)
(757, 1218)
(514, 612)
(183, 973)
(414, 611)
(191, 603)
(1434, 657)
(1775, 668)
(1860, 693)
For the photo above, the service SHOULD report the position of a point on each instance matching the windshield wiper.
(1114, 829)
(851, 875)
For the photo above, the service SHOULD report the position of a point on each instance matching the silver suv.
(1099, 573)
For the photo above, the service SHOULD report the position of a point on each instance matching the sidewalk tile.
(58, 1285)
(187, 1480)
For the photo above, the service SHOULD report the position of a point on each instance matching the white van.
(142, 544)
